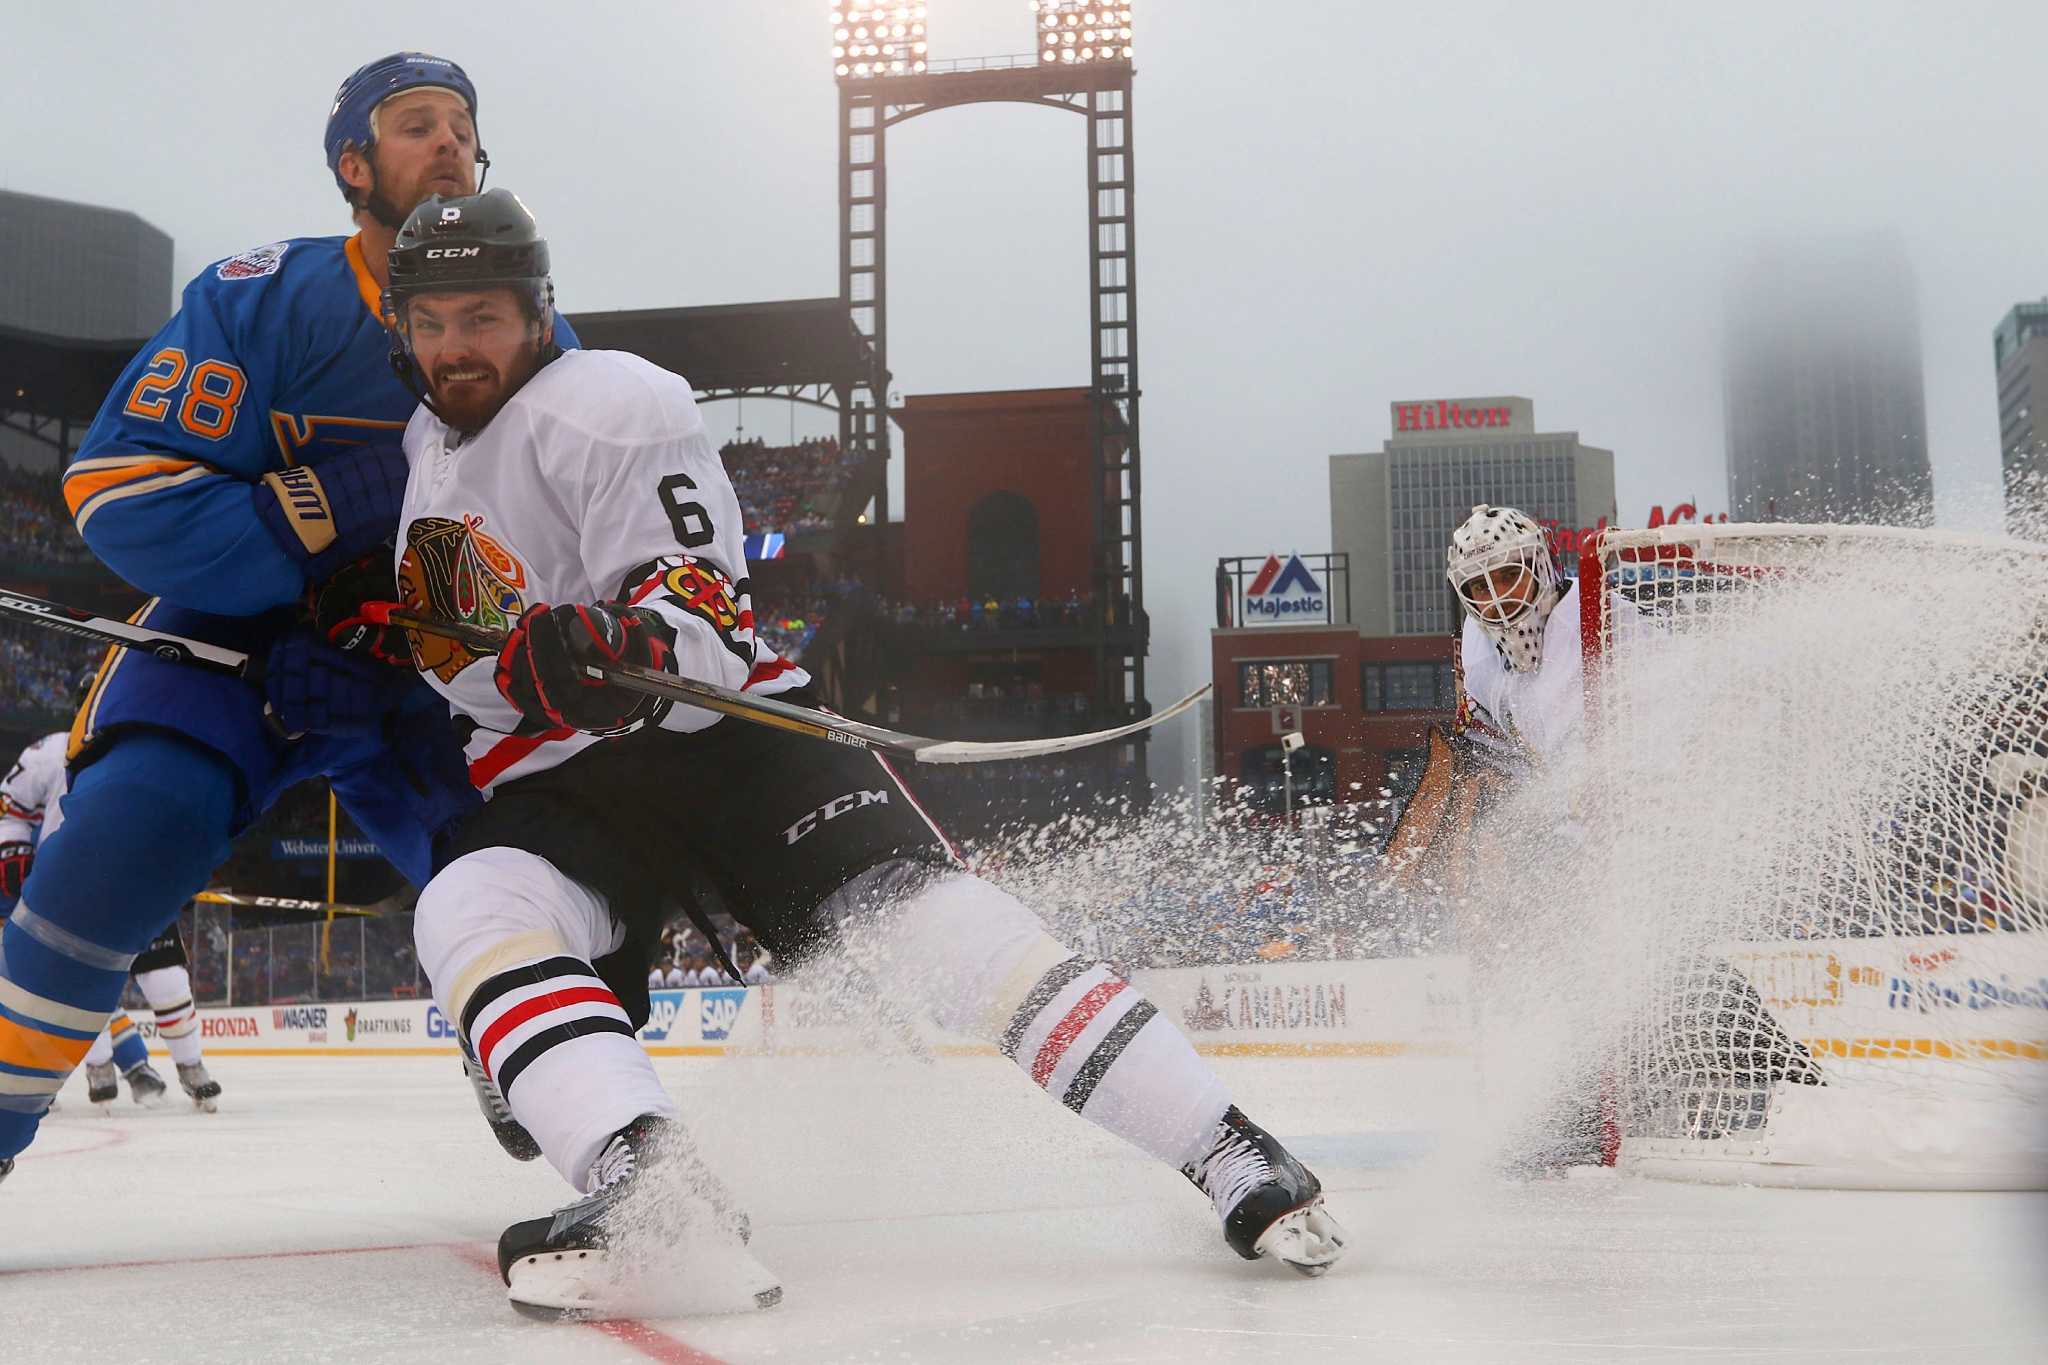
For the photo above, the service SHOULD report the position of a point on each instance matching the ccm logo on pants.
(832, 810)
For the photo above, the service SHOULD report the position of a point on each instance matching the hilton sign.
(1450, 414)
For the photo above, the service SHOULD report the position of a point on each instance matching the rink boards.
(1954, 998)
(1406, 1007)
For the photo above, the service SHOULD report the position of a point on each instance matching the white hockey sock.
(1081, 1033)
(558, 1043)
(102, 1050)
(169, 992)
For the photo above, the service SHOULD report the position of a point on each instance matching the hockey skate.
(1270, 1204)
(145, 1087)
(102, 1084)
(510, 1132)
(6, 1167)
(657, 1236)
(202, 1087)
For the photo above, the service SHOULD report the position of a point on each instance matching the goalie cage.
(1820, 801)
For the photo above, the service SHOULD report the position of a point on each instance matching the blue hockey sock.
(129, 1049)
(144, 826)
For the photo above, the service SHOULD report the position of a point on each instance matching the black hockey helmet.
(81, 685)
(477, 241)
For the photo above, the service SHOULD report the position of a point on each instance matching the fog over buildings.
(1826, 410)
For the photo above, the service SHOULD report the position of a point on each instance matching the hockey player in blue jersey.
(245, 470)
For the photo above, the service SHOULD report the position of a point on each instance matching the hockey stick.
(329, 908)
(781, 715)
(171, 648)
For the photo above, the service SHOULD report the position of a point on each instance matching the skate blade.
(206, 1106)
(1307, 1241)
(584, 1286)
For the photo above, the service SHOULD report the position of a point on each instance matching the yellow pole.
(327, 926)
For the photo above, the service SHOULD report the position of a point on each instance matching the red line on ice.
(651, 1342)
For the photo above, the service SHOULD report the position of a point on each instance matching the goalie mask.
(1501, 568)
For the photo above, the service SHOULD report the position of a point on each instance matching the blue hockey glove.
(314, 688)
(330, 514)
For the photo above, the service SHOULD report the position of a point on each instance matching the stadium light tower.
(877, 40)
(1080, 61)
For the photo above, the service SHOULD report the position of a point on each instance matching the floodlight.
(1095, 32)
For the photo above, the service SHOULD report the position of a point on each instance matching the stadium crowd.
(39, 671)
(34, 525)
(788, 488)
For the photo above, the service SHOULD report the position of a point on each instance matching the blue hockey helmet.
(369, 85)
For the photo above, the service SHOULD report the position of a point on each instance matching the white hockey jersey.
(32, 793)
(597, 482)
(1544, 710)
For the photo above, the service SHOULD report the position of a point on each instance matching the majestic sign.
(1285, 593)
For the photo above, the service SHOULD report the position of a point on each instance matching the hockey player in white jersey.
(31, 812)
(1520, 648)
(577, 500)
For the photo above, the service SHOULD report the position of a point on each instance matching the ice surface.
(344, 1209)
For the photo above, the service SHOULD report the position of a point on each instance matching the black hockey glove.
(541, 669)
(314, 688)
(330, 514)
(338, 610)
(14, 864)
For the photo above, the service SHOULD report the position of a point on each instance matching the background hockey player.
(246, 461)
(31, 809)
(586, 499)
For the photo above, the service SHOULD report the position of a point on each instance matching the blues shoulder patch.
(253, 263)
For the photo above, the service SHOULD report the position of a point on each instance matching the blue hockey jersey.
(276, 357)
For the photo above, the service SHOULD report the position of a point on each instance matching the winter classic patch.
(256, 261)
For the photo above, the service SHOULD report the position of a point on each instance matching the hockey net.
(1818, 818)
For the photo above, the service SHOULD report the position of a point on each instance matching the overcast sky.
(1350, 204)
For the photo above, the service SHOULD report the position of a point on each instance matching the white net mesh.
(1820, 810)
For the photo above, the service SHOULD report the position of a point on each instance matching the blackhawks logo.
(451, 568)
(705, 591)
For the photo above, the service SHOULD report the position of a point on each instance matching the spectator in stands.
(751, 958)
(39, 669)
(35, 527)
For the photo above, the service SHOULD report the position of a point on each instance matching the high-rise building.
(1826, 415)
(2019, 353)
(1393, 510)
(81, 271)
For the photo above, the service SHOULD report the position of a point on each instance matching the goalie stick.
(782, 715)
(767, 711)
